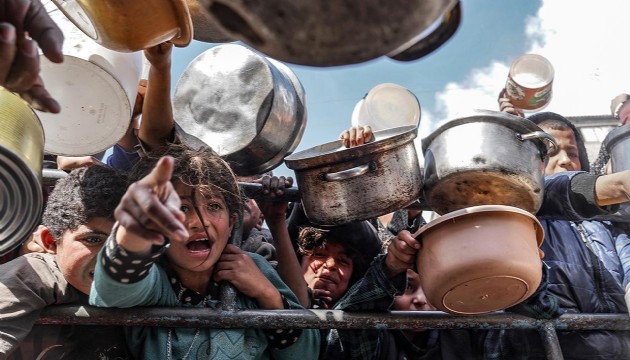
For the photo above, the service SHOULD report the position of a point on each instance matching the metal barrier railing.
(332, 319)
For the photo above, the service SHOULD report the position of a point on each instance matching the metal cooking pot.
(431, 38)
(317, 33)
(131, 25)
(249, 111)
(488, 158)
(21, 155)
(617, 143)
(340, 185)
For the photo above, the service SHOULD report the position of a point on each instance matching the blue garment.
(121, 159)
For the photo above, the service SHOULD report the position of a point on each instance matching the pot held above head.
(237, 102)
(318, 33)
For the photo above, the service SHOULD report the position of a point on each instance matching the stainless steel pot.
(617, 143)
(319, 33)
(249, 111)
(340, 185)
(21, 155)
(488, 158)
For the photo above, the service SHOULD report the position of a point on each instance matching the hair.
(359, 239)
(202, 169)
(559, 122)
(86, 193)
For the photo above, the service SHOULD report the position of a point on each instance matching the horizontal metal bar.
(323, 319)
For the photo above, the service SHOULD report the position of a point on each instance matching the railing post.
(550, 341)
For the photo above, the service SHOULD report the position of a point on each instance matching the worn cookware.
(317, 34)
(242, 105)
(21, 155)
(486, 158)
(480, 259)
(96, 88)
(340, 185)
(131, 25)
(431, 38)
(617, 142)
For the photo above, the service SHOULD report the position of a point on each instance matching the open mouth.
(199, 245)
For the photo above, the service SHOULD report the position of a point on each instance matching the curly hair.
(86, 193)
(359, 239)
(202, 169)
(559, 122)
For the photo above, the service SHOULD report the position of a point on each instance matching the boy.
(77, 220)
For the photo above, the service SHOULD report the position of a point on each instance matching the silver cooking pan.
(238, 102)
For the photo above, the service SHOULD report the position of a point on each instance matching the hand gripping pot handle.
(550, 141)
(350, 173)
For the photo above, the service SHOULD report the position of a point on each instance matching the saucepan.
(480, 259)
(248, 108)
(131, 25)
(486, 158)
(339, 185)
(317, 34)
(21, 155)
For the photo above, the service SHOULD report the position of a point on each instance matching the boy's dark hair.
(359, 239)
(559, 122)
(86, 193)
(202, 169)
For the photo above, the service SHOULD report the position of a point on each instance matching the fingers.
(39, 98)
(43, 29)
(356, 135)
(401, 253)
(7, 49)
(25, 69)
(274, 185)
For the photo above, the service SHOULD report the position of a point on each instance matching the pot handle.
(550, 141)
(350, 173)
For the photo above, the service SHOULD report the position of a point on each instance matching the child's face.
(568, 158)
(204, 246)
(329, 268)
(413, 298)
(77, 250)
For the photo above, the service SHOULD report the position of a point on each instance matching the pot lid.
(387, 106)
(335, 152)
(482, 209)
(615, 135)
(516, 123)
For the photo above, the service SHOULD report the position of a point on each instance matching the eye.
(214, 207)
(184, 208)
(345, 260)
(93, 240)
(319, 254)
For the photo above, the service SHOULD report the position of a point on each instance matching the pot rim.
(514, 122)
(184, 20)
(480, 209)
(334, 152)
(616, 135)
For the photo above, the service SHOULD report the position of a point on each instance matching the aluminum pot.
(348, 32)
(468, 266)
(248, 110)
(131, 25)
(487, 158)
(21, 155)
(339, 185)
(617, 143)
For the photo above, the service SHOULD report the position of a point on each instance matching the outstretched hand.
(506, 106)
(273, 187)
(356, 135)
(401, 253)
(25, 24)
(150, 210)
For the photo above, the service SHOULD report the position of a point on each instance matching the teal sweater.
(151, 342)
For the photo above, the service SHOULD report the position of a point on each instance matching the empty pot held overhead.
(339, 185)
(131, 25)
(237, 102)
(320, 33)
(487, 158)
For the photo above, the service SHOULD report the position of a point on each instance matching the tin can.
(529, 82)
